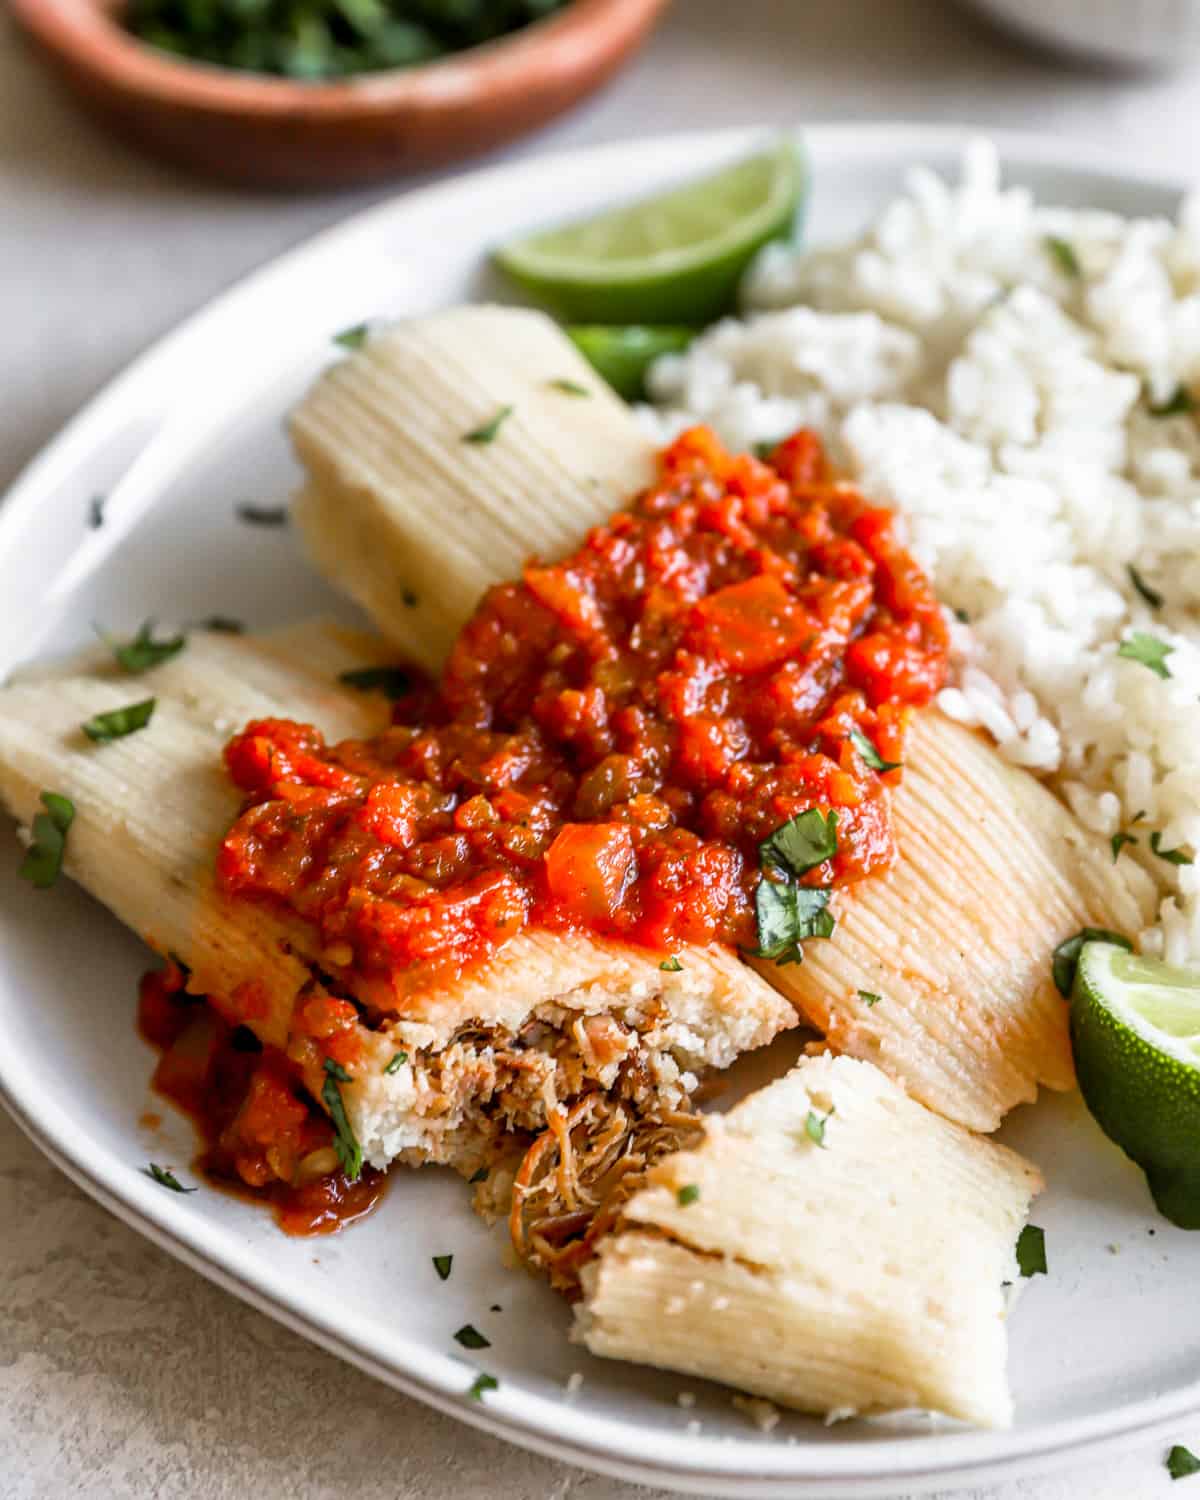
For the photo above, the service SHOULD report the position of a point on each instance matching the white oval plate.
(1105, 1348)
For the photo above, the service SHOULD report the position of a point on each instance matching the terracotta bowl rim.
(80, 31)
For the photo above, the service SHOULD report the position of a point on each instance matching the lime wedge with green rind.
(675, 258)
(1135, 1028)
(623, 355)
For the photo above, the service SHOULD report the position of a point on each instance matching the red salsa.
(614, 735)
(262, 1135)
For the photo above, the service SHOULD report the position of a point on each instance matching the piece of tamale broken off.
(832, 1246)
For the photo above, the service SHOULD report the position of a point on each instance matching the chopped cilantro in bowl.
(320, 40)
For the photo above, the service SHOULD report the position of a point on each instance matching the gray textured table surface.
(121, 1373)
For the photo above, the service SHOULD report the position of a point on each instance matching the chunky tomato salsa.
(261, 1133)
(614, 735)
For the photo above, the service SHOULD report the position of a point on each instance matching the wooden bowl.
(255, 129)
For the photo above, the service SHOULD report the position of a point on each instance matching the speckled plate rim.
(831, 1470)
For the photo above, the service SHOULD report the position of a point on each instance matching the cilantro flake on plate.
(166, 1178)
(1031, 1251)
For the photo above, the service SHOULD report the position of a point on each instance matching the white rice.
(961, 374)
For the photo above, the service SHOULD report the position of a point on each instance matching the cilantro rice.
(1035, 412)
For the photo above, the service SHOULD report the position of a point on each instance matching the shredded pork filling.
(578, 1174)
(562, 1119)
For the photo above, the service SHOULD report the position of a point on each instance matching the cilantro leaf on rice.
(1149, 650)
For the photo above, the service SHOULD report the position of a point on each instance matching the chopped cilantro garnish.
(119, 722)
(96, 511)
(1178, 404)
(322, 41)
(671, 965)
(345, 1142)
(1148, 650)
(570, 387)
(224, 624)
(814, 1127)
(352, 338)
(802, 843)
(1066, 955)
(442, 1264)
(43, 860)
(1172, 856)
(1152, 597)
(1118, 842)
(786, 915)
(869, 753)
(143, 652)
(688, 1194)
(392, 681)
(471, 1338)
(1031, 1251)
(262, 515)
(166, 1179)
(478, 1176)
(869, 998)
(481, 1384)
(1063, 254)
(1181, 1462)
(962, 617)
(396, 1063)
(487, 432)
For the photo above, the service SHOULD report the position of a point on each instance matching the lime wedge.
(1135, 1026)
(623, 355)
(675, 258)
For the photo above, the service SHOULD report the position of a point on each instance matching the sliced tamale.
(482, 1055)
(992, 873)
(832, 1246)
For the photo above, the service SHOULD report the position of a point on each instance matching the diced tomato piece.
(876, 530)
(271, 1114)
(689, 893)
(708, 747)
(589, 867)
(901, 585)
(442, 926)
(750, 626)
(887, 666)
(273, 750)
(567, 596)
(800, 459)
(697, 450)
(392, 812)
